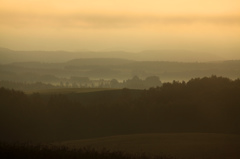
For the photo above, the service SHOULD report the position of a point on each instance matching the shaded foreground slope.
(179, 145)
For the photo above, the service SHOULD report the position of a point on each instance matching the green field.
(67, 90)
(179, 145)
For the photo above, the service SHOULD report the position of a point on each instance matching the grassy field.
(179, 145)
(67, 90)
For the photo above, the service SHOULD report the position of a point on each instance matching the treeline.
(209, 104)
(25, 86)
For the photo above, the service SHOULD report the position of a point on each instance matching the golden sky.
(136, 25)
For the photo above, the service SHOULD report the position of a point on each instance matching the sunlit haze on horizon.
(107, 25)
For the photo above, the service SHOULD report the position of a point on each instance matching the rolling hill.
(9, 56)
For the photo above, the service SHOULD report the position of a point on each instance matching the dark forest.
(209, 105)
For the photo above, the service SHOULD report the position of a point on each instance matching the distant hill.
(98, 61)
(9, 56)
(177, 55)
(116, 68)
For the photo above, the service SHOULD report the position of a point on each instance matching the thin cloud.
(86, 20)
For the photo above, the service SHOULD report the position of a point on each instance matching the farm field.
(179, 145)
(67, 90)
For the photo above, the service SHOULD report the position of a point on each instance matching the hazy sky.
(130, 25)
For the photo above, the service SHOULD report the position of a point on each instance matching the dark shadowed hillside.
(206, 105)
